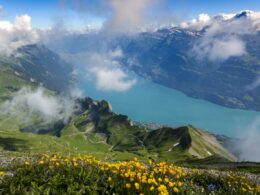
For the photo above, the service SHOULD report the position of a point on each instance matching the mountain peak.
(244, 14)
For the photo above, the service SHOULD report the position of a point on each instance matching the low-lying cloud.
(27, 104)
(105, 68)
(198, 23)
(108, 72)
(254, 85)
(223, 36)
(112, 79)
(127, 15)
(219, 49)
(249, 143)
(17, 34)
(119, 16)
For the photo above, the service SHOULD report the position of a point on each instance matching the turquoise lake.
(150, 102)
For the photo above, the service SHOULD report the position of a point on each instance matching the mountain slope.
(166, 57)
(186, 140)
(37, 65)
(99, 123)
(11, 82)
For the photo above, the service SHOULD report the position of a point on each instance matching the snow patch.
(174, 145)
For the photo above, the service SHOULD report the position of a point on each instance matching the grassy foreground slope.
(85, 174)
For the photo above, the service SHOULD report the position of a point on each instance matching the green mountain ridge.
(121, 134)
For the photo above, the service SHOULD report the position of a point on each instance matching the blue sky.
(45, 12)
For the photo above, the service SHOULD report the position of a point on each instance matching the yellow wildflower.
(176, 190)
(162, 188)
(41, 162)
(128, 185)
(137, 186)
(2, 173)
(171, 184)
(179, 184)
(166, 180)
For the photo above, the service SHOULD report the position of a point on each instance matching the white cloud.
(128, 16)
(112, 79)
(108, 72)
(117, 53)
(23, 23)
(124, 16)
(28, 103)
(219, 49)
(223, 36)
(75, 93)
(249, 143)
(17, 34)
(198, 23)
(104, 68)
(254, 85)
(6, 26)
(247, 17)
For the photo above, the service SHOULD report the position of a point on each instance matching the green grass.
(120, 140)
(72, 141)
(85, 174)
(204, 144)
(10, 83)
